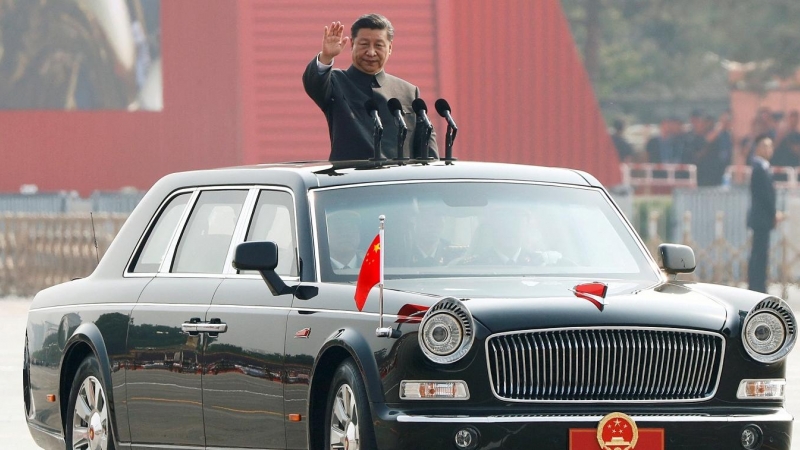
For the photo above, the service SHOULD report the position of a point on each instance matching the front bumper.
(681, 431)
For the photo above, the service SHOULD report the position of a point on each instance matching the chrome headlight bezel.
(773, 318)
(451, 317)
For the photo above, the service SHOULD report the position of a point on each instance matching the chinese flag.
(370, 273)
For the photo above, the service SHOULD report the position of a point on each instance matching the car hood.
(505, 304)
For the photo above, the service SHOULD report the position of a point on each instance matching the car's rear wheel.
(347, 418)
(88, 423)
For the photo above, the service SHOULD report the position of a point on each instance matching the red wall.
(88, 150)
(521, 90)
(233, 93)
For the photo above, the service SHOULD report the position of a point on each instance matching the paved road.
(14, 433)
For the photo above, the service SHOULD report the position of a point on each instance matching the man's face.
(765, 149)
(371, 50)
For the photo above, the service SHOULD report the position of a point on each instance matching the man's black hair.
(619, 125)
(372, 22)
(760, 138)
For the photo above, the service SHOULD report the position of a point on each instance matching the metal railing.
(650, 178)
(41, 250)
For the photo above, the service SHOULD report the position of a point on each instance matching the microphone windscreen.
(394, 105)
(419, 105)
(442, 107)
(371, 105)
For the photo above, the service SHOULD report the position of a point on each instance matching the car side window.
(204, 245)
(273, 220)
(155, 247)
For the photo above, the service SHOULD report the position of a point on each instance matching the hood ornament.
(594, 292)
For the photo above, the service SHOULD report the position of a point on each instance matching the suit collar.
(365, 78)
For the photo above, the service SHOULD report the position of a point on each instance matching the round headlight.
(769, 331)
(765, 333)
(446, 331)
(442, 334)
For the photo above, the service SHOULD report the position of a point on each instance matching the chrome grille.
(605, 364)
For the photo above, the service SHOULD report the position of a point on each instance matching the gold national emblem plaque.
(617, 431)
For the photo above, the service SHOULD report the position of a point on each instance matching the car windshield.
(476, 229)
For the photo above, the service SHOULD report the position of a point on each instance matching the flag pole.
(382, 219)
(381, 331)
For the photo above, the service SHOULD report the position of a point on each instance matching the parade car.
(382, 304)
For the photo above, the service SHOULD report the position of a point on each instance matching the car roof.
(315, 174)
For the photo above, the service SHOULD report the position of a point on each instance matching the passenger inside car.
(344, 238)
(429, 247)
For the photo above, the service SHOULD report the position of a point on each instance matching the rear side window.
(273, 220)
(155, 248)
(204, 244)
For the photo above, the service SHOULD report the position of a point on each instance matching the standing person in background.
(624, 148)
(341, 94)
(667, 147)
(762, 216)
(787, 150)
(747, 145)
(712, 149)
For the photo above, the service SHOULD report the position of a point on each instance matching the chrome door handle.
(212, 327)
(187, 327)
(191, 326)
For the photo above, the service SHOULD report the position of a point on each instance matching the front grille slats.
(610, 364)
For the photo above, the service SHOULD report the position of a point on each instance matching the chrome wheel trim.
(90, 419)
(344, 421)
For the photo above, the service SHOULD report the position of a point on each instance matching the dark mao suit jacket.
(341, 95)
(762, 196)
(761, 219)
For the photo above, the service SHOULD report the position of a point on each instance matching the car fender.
(361, 352)
(89, 334)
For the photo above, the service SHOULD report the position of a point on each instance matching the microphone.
(397, 111)
(372, 109)
(443, 108)
(421, 109)
(422, 133)
(402, 129)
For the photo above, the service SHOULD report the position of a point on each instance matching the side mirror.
(263, 257)
(676, 258)
(256, 256)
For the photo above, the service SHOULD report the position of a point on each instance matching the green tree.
(665, 46)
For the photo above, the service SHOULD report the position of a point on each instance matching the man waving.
(341, 94)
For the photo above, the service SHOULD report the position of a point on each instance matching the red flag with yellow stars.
(370, 273)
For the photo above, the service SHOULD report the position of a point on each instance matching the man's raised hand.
(333, 42)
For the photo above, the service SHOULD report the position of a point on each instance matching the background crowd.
(709, 143)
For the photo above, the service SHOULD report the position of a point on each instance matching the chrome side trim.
(165, 447)
(128, 271)
(242, 226)
(240, 229)
(778, 416)
(219, 305)
(48, 433)
(166, 264)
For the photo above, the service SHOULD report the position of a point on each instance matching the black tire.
(348, 424)
(91, 422)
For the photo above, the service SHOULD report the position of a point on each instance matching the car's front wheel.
(347, 417)
(88, 426)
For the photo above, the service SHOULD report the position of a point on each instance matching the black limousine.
(516, 307)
